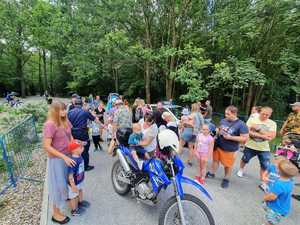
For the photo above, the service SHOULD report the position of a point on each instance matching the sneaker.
(189, 163)
(263, 186)
(225, 183)
(84, 204)
(77, 212)
(96, 149)
(88, 168)
(240, 173)
(297, 197)
(199, 179)
(210, 175)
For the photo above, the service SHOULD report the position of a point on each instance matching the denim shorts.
(271, 216)
(188, 135)
(263, 156)
(71, 194)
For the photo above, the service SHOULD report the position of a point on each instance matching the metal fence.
(16, 146)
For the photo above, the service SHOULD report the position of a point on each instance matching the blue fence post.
(9, 164)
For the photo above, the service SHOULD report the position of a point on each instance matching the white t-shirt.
(150, 132)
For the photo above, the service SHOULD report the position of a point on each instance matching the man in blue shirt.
(79, 118)
(231, 132)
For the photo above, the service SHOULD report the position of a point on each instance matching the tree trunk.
(169, 79)
(19, 72)
(148, 44)
(51, 74)
(40, 75)
(45, 70)
(169, 88)
(19, 63)
(115, 76)
(147, 82)
(232, 96)
(117, 80)
(258, 94)
(244, 99)
(249, 98)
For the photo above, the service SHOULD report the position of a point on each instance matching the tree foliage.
(243, 52)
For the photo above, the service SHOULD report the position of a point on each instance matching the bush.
(2, 166)
(12, 116)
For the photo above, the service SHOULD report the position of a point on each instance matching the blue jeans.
(263, 156)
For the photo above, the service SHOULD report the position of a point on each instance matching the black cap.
(78, 102)
(75, 95)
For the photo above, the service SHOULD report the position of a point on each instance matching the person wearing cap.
(277, 201)
(171, 124)
(76, 178)
(292, 124)
(121, 119)
(72, 104)
(79, 119)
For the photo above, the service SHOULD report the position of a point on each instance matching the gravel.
(22, 205)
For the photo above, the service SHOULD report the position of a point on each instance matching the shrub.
(12, 116)
(2, 166)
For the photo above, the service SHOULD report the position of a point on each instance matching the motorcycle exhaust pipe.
(123, 161)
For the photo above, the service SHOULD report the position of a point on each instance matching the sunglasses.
(82, 143)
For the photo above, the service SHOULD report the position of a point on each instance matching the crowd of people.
(67, 142)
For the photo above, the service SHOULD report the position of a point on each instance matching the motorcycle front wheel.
(118, 172)
(195, 212)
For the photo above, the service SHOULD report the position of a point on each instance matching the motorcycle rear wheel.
(199, 216)
(120, 187)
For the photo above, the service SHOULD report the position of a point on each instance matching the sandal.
(64, 221)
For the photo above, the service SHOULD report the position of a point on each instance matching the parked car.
(175, 110)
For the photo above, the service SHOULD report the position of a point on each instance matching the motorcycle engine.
(144, 191)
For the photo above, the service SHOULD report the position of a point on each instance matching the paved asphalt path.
(240, 204)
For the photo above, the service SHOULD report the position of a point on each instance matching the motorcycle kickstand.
(132, 193)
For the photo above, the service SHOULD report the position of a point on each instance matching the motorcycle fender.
(183, 179)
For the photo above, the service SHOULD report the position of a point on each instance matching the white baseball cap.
(118, 102)
(185, 112)
(296, 104)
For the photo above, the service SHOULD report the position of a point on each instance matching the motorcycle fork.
(180, 208)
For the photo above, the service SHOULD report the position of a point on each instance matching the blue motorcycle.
(157, 174)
